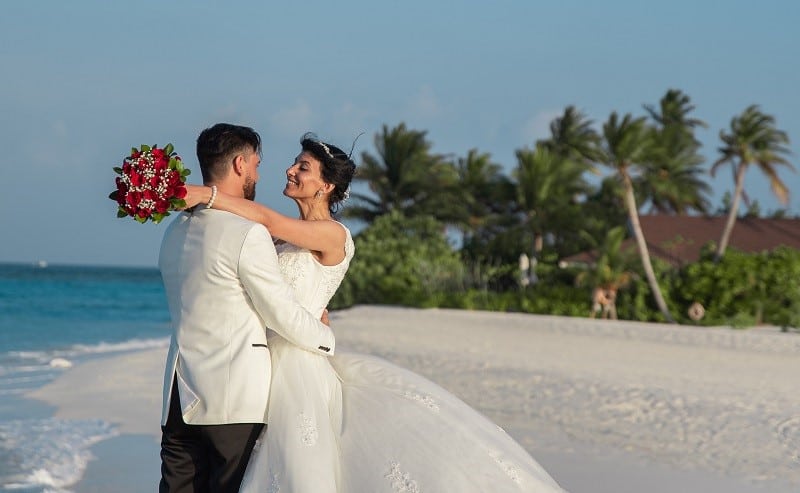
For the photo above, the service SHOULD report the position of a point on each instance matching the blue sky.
(84, 81)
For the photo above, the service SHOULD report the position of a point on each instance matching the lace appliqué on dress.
(274, 482)
(426, 400)
(308, 430)
(291, 263)
(507, 467)
(331, 281)
(401, 482)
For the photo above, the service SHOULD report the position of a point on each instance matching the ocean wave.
(131, 345)
(13, 391)
(21, 371)
(27, 379)
(49, 453)
(78, 350)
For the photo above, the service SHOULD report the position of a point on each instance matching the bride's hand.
(196, 194)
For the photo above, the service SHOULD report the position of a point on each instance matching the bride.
(355, 423)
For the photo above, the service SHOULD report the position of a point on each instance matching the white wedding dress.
(354, 423)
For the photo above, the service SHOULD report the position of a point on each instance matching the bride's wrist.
(210, 196)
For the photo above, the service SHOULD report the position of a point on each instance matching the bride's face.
(304, 177)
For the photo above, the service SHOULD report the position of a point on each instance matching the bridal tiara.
(327, 151)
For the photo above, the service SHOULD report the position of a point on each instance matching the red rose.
(122, 190)
(136, 178)
(161, 164)
(180, 192)
(133, 198)
(174, 177)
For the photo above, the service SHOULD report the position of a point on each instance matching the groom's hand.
(325, 318)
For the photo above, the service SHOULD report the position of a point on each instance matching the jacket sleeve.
(273, 298)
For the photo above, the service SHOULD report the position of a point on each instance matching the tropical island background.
(566, 223)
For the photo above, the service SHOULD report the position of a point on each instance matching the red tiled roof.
(679, 239)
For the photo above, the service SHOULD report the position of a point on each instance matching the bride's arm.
(325, 237)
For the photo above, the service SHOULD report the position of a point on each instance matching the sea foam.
(48, 453)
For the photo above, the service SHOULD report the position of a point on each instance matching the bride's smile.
(304, 177)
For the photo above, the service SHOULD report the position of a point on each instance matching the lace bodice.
(314, 284)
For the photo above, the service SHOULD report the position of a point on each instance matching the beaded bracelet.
(213, 196)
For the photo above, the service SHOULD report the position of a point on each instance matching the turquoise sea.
(52, 317)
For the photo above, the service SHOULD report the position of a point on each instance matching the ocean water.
(52, 317)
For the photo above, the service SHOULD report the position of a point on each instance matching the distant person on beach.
(223, 286)
(604, 302)
(354, 423)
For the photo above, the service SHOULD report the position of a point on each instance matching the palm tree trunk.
(731, 222)
(644, 254)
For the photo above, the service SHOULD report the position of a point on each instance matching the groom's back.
(199, 265)
(218, 337)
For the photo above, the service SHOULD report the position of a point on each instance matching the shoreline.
(603, 405)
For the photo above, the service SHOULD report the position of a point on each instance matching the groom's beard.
(249, 188)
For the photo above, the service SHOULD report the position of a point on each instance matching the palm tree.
(603, 208)
(673, 110)
(672, 181)
(672, 186)
(753, 139)
(406, 177)
(548, 188)
(485, 191)
(572, 136)
(625, 148)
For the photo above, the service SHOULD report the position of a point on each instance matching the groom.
(223, 288)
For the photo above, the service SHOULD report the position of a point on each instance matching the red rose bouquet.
(150, 184)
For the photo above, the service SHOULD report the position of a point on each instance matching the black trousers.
(203, 458)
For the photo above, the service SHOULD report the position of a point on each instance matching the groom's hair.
(217, 145)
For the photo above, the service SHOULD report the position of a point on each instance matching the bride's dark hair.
(337, 168)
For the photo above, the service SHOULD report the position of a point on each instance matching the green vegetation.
(449, 231)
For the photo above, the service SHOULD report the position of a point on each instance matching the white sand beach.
(605, 406)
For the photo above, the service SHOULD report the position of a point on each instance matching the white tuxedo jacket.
(224, 289)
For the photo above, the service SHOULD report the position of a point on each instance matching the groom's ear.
(238, 164)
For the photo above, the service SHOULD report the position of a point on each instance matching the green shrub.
(400, 261)
(743, 289)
